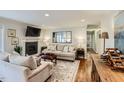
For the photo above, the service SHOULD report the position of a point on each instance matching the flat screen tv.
(33, 32)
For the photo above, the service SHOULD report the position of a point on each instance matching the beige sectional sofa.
(14, 71)
(66, 52)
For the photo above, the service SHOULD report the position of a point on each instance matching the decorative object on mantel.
(14, 41)
(104, 36)
(18, 49)
(11, 32)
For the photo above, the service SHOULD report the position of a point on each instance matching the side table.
(80, 53)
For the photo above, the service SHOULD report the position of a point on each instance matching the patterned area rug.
(64, 71)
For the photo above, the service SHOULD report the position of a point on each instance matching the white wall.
(20, 32)
(107, 25)
(78, 33)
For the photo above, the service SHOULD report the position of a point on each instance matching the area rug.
(64, 71)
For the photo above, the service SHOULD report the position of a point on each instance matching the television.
(32, 31)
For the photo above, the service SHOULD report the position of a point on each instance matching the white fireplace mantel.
(23, 42)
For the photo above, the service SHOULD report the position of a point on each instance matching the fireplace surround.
(31, 48)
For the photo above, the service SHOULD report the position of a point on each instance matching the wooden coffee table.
(49, 56)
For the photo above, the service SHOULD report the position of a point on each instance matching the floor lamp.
(105, 36)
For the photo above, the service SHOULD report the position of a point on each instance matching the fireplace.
(31, 48)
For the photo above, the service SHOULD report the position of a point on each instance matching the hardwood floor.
(84, 71)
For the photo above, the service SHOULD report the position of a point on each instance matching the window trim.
(53, 41)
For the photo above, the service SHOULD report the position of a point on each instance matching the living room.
(60, 35)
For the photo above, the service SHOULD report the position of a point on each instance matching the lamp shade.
(105, 35)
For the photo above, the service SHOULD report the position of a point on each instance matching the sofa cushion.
(23, 61)
(65, 49)
(66, 54)
(60, 47)
(4, 56)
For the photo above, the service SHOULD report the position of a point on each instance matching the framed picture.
(11, 32)
(14, 41)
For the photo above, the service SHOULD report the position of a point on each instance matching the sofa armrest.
(39, 69)
(13, 73)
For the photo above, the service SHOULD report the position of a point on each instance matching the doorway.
(91, 41)
(93, 38)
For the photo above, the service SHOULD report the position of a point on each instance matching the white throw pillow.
(4, 56)
(52, 47)
(71, 48)
(65, 49)
(60, 47)
(23, 61)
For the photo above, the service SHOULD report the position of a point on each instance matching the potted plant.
(18, 49)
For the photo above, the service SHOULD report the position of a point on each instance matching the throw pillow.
(37, 60)
(60, 47)
(52, 47)
(4, 56)
(71, 48)
(23, 61)
(65, 49)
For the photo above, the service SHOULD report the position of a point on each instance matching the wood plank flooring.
(84, 71)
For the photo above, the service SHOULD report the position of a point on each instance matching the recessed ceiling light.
(82, 20)
(46, 14)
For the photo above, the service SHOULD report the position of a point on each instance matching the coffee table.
(49, 56)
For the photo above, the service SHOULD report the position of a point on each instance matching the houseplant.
(18, 49)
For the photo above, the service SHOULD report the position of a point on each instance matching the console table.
(101, 72)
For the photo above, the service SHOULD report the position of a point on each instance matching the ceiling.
(57, 18)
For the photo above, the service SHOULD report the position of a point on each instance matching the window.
(62, 37)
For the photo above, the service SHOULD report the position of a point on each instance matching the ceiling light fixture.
(46, 14)
(82, 20)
